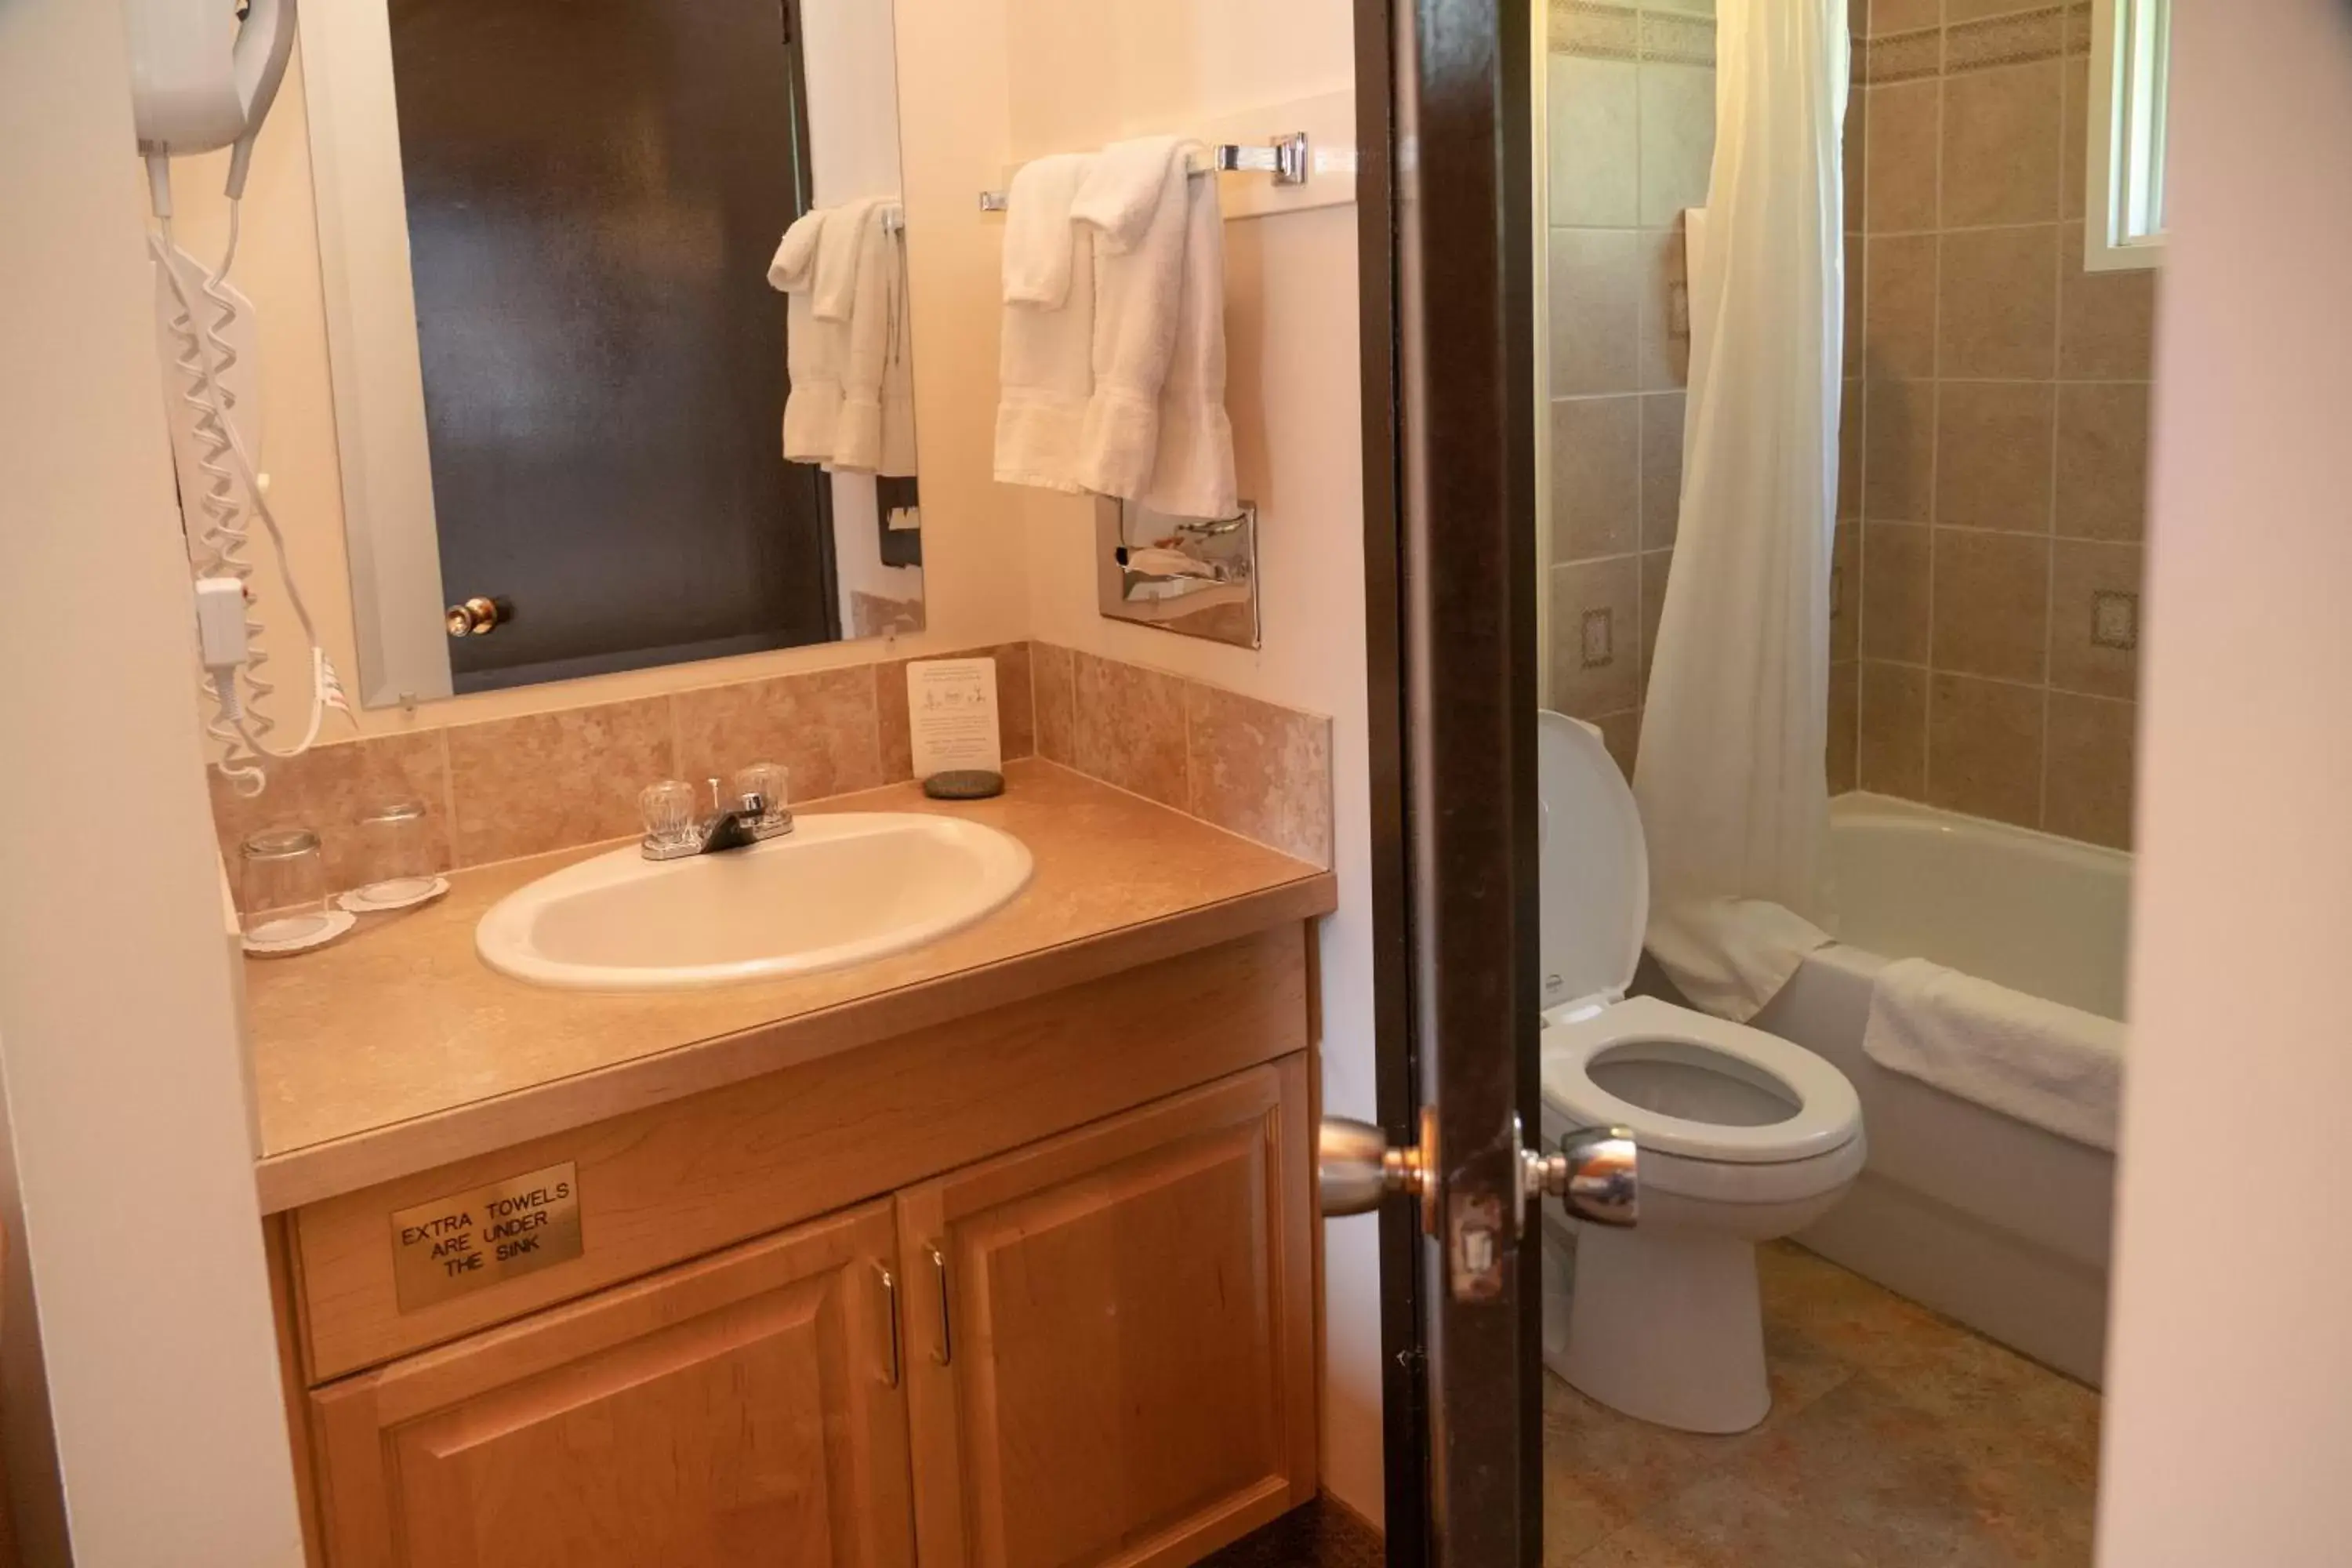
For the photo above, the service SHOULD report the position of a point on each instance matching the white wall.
(118, 1018)
(2228, 1431)
(1086, 71)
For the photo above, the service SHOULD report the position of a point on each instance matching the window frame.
(2123, 216)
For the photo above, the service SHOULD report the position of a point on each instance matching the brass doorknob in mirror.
(479, 616)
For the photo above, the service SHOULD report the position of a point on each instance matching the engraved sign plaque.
(452, 1245)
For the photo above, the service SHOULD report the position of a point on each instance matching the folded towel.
(1135, 200)
(813, 348)
(1045, 371)
(858, 439)
(2053, 1065)
(840, 250)
(1038, 244)
(1193, 466)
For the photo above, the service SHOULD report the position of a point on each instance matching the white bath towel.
(813, 348)
(1192, 465)
(857, 441)
(1045, 365)
(2053, 1065)
(1134, 199)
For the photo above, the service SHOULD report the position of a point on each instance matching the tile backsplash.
(504, 788)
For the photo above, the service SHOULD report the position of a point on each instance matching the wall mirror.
(560, 361)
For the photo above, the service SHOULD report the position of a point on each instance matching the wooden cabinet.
(734, 1413)
(1110, 1335)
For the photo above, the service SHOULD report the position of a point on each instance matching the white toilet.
(1743, 1136)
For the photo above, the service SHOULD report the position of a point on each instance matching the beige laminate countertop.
(398, 1049)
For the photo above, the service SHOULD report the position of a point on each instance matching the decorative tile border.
(500, 789)
(1902, 57)
(2020, 37)
(1597, 31)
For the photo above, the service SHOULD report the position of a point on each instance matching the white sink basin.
(836, 889)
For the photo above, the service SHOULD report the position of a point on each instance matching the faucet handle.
(668, 809)
(767, 784)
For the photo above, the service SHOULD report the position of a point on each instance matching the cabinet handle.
(891, 1312)
(946, 1353)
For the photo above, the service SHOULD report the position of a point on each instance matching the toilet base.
(1666, 1326)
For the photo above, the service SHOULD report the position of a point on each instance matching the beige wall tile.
(1854, 162)
(2001, 144)
(1677, 140)
(329, 789)
(1591, 114)
(1850, 421)
(1131, 728)
(1662, 356)
(1845, 718)
(1899, 307)
(1899, 460)
(1993, 603)
(1999, 303)
(1596, 476)
(1992, 454)
(1857, 256)
(1845, 591)
(1622, 734)
(2103, 460)
(1891, 755)
(2107, 321)
(1984, 749)
(549, 780)
(1015, 720)
(2089, 652)
(1903, 15)
(1900, 192)
(2074, 154)
(1260, 771)
(1894, 578)
(1050, 685)
(2091, 761)
(823, 725)
(1973, 10)
(1595, 297)
(1610, 592)
(1655, 567)
(1662, 467)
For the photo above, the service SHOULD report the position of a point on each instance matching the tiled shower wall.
(1995, 425)
(1985, 618)
(1631, 97)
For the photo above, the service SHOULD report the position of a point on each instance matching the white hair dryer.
(203, 76)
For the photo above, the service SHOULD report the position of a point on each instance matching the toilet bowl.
(1743, 1136)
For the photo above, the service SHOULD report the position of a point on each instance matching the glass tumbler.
(282, 880)
(396, 839)
(672, 816)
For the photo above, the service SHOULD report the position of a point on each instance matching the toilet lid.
(1594, 869)
(1823, 1111)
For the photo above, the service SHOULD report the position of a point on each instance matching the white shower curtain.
(1731, 779)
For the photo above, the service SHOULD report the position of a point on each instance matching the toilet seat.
(1827, 1113)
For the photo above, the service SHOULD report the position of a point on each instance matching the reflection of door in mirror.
(574, 208)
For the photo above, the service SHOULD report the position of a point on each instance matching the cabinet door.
(735, 1412)
(1110, 1335)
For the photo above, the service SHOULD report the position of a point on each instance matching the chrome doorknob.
(1357, 1169)
(1596, 1175)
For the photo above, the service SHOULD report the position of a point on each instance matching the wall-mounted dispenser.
(1193, 575)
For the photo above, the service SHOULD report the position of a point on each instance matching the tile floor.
(1897, 1439)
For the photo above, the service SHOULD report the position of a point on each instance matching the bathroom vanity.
(997, 1250)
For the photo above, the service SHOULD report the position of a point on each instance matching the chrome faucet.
(750, 819)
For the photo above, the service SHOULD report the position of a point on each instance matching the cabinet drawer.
(744, 1411)
(673, 1182)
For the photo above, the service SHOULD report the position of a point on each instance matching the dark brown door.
(593, 193)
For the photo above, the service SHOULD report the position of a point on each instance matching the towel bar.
(1283, 157)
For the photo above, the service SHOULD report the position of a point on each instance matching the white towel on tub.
(2046, 1063)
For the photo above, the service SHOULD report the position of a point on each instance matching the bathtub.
(1968, 1211)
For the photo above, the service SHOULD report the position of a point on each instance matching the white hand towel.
(1045, 369)
(2043, 1062)
(858, 439)
(1193, 466)
(840, 251)
(813, 349)
(1037, 240)
(1135, 201)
